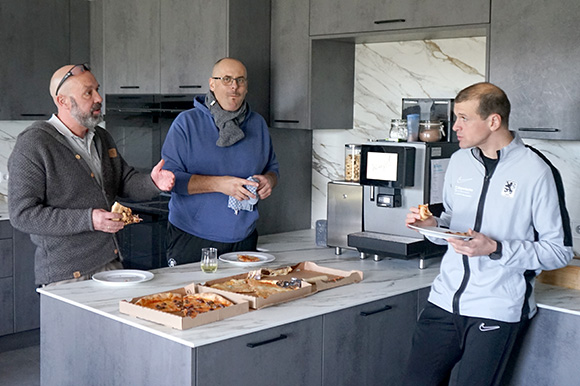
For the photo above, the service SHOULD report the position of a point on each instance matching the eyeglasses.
(76, 70)
(227, 80)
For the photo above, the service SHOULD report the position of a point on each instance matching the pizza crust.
(424, 212)
(128, 216)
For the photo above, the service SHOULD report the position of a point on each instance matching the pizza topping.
(188, 305)
(128, 216)
(424, 212)
(458, 233)
(248, 258)
(253, 287)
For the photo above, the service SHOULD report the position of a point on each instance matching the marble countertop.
(382, 279)
(3, 208)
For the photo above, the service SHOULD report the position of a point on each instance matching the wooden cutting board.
(567, 277)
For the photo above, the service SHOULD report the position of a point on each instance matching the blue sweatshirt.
(190, 148)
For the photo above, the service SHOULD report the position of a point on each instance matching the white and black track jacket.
(520, 205)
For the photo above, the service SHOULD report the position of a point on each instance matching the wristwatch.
(496, 255)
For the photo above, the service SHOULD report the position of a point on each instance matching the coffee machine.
(396, 176)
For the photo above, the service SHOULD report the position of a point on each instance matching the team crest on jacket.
(509, 189)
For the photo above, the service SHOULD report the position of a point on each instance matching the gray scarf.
(227, 122)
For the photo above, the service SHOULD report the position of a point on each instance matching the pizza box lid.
(179, 322)
(255, 301)
(323, 278)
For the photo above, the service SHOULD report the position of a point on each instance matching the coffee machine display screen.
(382, 166)
(387, 165)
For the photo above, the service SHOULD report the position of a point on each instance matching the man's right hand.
(108, 222)
(414, 218)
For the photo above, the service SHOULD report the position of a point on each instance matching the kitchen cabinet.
(26, 299)
(289, 354)
(188, 53)
(312, 81)
(548, 352)
(369, 344)
(19, 301)
(170, 46)
(6, 279)
(329, 17)
(34, 42)
(131, 46)
(534, 55)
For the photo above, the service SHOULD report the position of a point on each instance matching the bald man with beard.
(65, 174)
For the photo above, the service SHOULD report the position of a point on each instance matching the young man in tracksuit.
(510, 199)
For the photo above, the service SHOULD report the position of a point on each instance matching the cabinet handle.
(286, 121)
(253, 345)
(129, 87)
(189, 86)
(33, 115)
(388, 21)
(385, 308)
(540, 129)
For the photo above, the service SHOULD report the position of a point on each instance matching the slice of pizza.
(128, 216)
(166, 302)
(248, 258)
(424, 212)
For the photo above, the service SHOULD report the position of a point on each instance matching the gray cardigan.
(51, 196)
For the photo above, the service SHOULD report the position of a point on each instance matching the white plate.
(123, 276)
(439, 233)
(232, 258)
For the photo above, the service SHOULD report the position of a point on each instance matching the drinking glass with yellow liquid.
(209, 261)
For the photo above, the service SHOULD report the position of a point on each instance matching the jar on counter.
(398, 130)
(430, 131)
(352, 162)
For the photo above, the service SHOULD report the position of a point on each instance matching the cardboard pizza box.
(178, 322)
(255, 301)
(323, 278)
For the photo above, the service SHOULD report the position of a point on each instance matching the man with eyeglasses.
(65, 174)
(223, 160)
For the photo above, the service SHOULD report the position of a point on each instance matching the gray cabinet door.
(6, 306)
(290, 64)
(353, 16)
(34, 42)
(369, 344)
(193, 37)
(286, 355)
(131, 46)
(27, 300)
(534, 55)
(548, 353)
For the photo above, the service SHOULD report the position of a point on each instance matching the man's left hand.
(266, 182)
(163, 179)
(479, 245)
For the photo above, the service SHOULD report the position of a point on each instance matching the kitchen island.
(356, 334)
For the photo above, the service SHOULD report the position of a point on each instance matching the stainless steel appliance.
(432, 109)
(396, 176)
(344, 213)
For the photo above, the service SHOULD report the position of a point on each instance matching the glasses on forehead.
(227, 80)
(76, 70)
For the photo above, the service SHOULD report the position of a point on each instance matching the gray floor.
(20, 360)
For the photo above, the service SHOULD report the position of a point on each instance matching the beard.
(88, 119)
